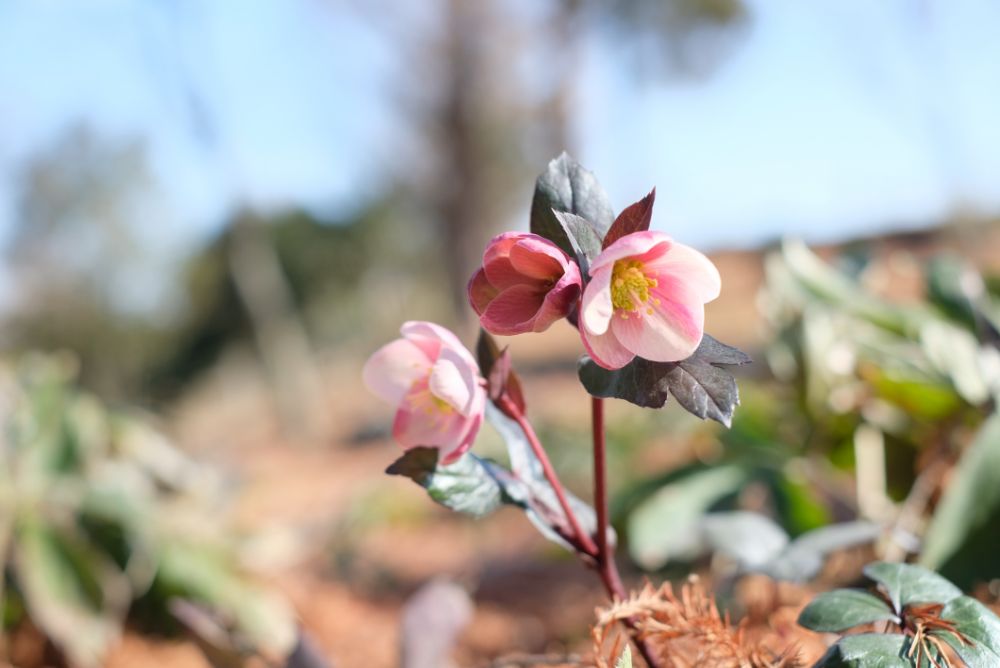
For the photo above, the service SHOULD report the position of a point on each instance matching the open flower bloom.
(526, 283)
(436, 385)
(646, 298)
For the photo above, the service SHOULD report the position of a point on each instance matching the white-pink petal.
(453, 381)
(596, 308)
(670, 333)
(632, 245)
(692, 269)
(393, 369)
(606, 350)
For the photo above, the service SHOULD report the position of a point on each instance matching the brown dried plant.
(684, 630)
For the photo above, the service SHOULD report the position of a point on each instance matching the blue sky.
(830, 118)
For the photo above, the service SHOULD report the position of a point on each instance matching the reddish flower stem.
(585, 542)
(606, 566)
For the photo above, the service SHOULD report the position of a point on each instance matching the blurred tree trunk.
(281, 337)
(463, 206)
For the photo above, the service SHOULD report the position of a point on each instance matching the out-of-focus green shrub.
(101, 517)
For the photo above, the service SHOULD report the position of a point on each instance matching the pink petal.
(512, 311)
(431, 337)
(645, 246)
(467, 435)
(420, 421)
(605, 349)
(394, 368)
(502, 274)
(500, 245)
(538, 259)
(557, 304)
(481, 292)
(671, 332)
(596, 308)
(453, 381)
(691, 268)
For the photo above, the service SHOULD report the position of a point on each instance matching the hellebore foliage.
(925, 612)
(699, 383)
(566, 187)
(571, 210)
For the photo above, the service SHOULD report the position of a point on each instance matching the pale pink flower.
(526, 283)
(436, 385)
(646, 298)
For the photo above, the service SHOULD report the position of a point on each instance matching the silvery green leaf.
(867, 650)
(980, 626)
(842, 609)
(907, 583)
(467, 485)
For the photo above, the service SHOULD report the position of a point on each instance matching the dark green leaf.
(979, 625)
(698, 385)
(906, 583)
(566, 186)
(635, 218)
(583, 238)
(970, 501)
(839, 610)
(467, 485)
(867, 650)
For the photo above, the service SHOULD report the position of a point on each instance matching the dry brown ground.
(348, 568)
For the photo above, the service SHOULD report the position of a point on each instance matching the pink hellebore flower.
(526, 283)
(646, 298)
(436, 384)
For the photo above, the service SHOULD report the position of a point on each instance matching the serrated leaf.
(698, 385)
(566, 186)
(634, 218)
(467, 485)
(867, 650)
(803, 558)
(970, 501)
(625, 660)
(842, 609)
(584, 239)
(907, 583)
(977, 623)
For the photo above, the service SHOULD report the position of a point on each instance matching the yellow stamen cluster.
(630, 287)
(441, 404)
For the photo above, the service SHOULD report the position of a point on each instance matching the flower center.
(442, 405)
(630, 286)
